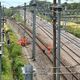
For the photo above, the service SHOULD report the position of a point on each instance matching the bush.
(6, 66)
(74, 31)
(18, 63)
(18, 17)
(16, 57)
(12, 60)
(16, 50)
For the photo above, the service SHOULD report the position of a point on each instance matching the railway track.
(64, 34)
(38, 56)
(68, 53)
(51, 60)
(70, 37)
(77, 46)
(67, 35)
(61, 41)
(51, 37)
(61, 62)
(68, 40)
(65, 67)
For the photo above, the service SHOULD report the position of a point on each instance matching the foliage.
(73, 6)
(17, 17)
(16, 50)
(18, 63)
(16, 57)
(74, 30)
(12, 37)
(12, 60)
(44, 17)
(9, 11)
(41, 7)
(6, 66)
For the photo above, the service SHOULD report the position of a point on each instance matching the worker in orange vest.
(24, 41)
(49, 50)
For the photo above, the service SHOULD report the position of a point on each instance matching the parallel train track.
(67, 35)
(21, 28)
(65, 45)
(51, 37)
(57, 58)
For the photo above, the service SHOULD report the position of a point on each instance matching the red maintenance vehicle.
(23, 41)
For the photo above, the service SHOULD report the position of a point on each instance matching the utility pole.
(24, 17)
(2, 31)
(0, 40)
(34, 30)
(0, 20)
(59, 9)
(54, 40)
(65, 16)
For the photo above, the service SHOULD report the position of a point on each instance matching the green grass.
(18, 17)
(74, 31)
(16, 56)
(44, 17)
(6, 66)
(12, 60)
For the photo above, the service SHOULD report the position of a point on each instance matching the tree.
(9, 11)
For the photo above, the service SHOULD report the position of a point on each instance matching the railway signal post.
(34, 30)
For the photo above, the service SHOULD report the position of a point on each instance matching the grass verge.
(12, 60)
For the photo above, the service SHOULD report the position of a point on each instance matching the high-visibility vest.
(49, 50)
